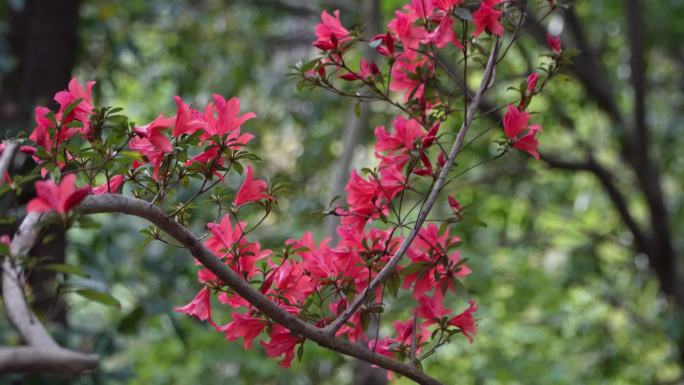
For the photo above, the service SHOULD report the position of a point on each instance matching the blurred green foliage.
(563, 299)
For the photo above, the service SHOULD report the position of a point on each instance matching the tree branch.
(662, 255)
(43, 354)
(6, 159)
(32, 359)
(606, 179)
(334, 326)
(114, 203)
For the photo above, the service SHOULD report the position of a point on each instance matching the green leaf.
(4, 249)
(99, 297)
(132, 155)
(306, 67)
(64, 269)
(415, 268)
(237, 166)
(300, 352)
(130, 321)
(392, 283)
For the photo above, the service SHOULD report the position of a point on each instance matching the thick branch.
(333, 327)
(662, 254)
(27, 324)
(43, 354)
(113, 203)
(56, 360)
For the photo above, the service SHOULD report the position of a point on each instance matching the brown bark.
(43, 39)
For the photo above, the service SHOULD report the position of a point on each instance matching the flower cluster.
(317, 282)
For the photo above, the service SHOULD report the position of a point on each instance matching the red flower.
(532, 83)
(282, 342)
(83, 109)
(229, 243)
(153, 154)
(252, 190)
(515, 122)
(386, 46)
(487, 18)
(466, 322)
(111, 186)
(554, 43)
(199, 307)
(444, 34)
(368, 70)
(406, 78)
(188, 120)
(454, 204)
(405, 135)
(222, 118)
(440, 268)
(154, 132)
(330, 32)
(6, 240)
(528, 142)
(447, 5)
(41, 133)
(402, 26)
(244, 326)
(60, 198)
(432, 309)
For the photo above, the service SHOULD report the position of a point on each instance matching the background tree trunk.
(43, 41)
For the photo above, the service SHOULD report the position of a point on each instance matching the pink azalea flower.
(528, 142)
(6, 240)
(368, 70)
(386, 47)
(532, 82)
(244, 326)
(199, 307)
(291, 282)
(281, 343)
(111, 186)
(222, 117)
(404, 332)
(154, 132)
(41, 133)
(447, 5)
(405, 75)
(408, 34)
(188, 120)
(466, 322)
(84, 108)
(330, 32)
(454, 204)
(61, 199)
(554, 43)
(252, 190)
(432, 309)
(487, 18)
(154, 155)
(229, 243)
(515, 121)
(445, 34)
(405, 135)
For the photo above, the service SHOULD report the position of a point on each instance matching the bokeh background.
(567, 292)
